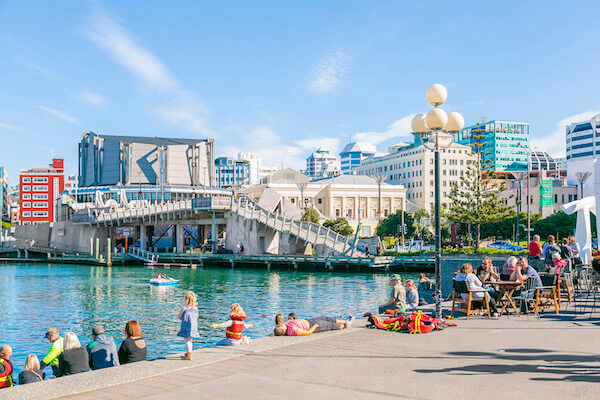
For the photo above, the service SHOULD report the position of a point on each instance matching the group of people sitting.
(67, 357)
(568, 251)
(514, 269)
(402, 298)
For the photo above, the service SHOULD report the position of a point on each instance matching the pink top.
(560, 264)
(294, 324)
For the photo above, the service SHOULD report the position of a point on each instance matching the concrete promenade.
(555, 357)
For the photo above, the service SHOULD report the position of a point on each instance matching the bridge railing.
(307, 231)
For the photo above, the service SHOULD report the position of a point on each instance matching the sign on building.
(546, 192)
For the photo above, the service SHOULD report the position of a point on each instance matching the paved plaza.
(555, 357)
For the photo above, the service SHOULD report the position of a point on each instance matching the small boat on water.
(164, 281)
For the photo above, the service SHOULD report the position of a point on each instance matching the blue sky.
(281, 78)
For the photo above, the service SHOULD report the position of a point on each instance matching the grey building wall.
(128, 160)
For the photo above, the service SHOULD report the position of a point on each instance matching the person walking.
(133, 348)
(31, 372)
(56, 348)
(189, 322)
(74, 359)
(6, 367)
(102, 350)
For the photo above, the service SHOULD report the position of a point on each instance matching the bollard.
(108, 252)
(97, 248)
(91, 247)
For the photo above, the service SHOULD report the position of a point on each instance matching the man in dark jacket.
(102, 350)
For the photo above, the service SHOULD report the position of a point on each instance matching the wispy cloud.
(59, 114)
(180, 107)
(400, 129)
(274, 149)
(92, 98)
(10, 127)
(555, 143)
(329, 72)
(46, 72)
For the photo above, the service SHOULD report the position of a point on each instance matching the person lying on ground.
(305, 327)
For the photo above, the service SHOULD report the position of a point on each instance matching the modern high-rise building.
(506, 143)
(38, 190)
(322, 163)
(353, 154)
(411, 165)
(542, 161)
(4, 202)
(255, 166)
(583, 147)
(231, 172)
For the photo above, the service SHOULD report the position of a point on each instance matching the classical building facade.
(353, 197)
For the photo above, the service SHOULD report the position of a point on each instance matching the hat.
(97, 331)
(395, 277)
(51, 331)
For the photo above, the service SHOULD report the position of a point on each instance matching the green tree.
(559, 224)
(339, 225)
(423, 230)
(311, 215)
(474, 198)
(389, 225)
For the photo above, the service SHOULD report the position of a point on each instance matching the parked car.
(501, 245)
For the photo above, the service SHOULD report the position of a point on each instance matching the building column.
(142, 237)
(179, 238)
(214, 233)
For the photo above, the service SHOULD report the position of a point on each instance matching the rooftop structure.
(353, 154)
(541, 160)
(133, 160)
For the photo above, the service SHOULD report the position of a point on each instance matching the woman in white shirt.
(473, 283)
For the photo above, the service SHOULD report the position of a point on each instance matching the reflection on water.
(77, 298)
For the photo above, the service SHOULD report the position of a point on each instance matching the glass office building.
(506, 143)
(353, 154)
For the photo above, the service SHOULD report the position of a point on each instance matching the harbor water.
(75, 298)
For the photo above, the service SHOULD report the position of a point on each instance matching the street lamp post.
(379, 179)
(437, 130)
(302, 186)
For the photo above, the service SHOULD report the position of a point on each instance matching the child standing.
(234, 327)
(189, 322)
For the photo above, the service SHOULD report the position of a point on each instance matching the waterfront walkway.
(550, 358)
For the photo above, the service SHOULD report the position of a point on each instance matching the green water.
(76, 298)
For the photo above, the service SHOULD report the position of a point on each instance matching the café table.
(507, 288)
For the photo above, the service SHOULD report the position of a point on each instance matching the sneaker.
(349, 321)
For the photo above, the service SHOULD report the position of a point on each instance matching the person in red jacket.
(535, 247)
(6, 367)
(234, 327)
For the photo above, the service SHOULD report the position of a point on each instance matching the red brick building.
(39, 188)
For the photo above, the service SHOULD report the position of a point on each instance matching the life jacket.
(235, 330)
(417, 322)
(6, 377)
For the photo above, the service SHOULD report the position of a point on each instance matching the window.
(26, 205)
(26, 188)
(319, 201)
(27, 213)
(26, 196)
(40, 180)
(40, 205)
(40, 196)
(40, 188)
(26, 180)
(40, 213)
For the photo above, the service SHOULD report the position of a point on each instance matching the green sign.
(546, 192)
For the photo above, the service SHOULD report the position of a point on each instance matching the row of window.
(36, 196)
(35, 205)
(36, 214)
(27, 179)
(35, 188)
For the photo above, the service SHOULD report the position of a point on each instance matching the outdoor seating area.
(518, 289)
